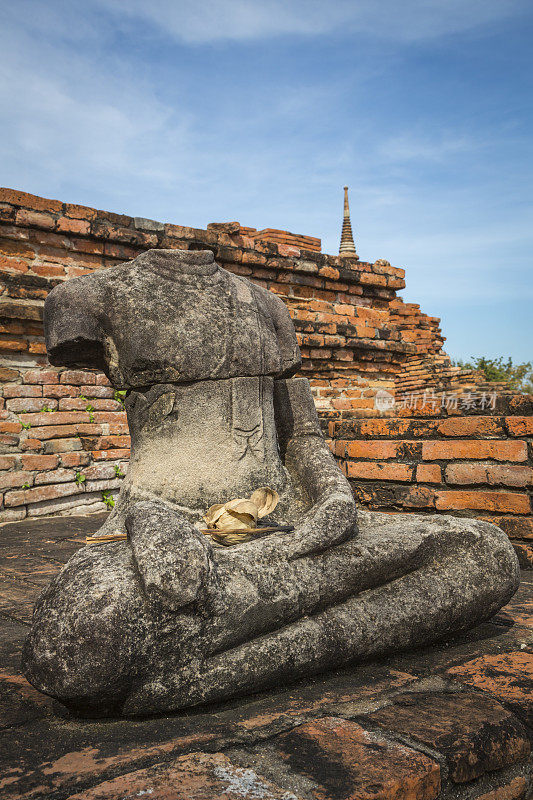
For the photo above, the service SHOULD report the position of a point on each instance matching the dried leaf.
(241, 513)
(242, 506)
(233, 521)
(213, 513)
(266, 500)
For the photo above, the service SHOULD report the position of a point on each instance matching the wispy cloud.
(241, 20)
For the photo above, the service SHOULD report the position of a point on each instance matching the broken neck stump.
(165, 618)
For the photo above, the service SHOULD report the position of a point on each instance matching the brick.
(68, 225)
(287, 250)
(48, 270)
(66, 431)
(118, 429)
(79, 212)
(7, 462)
(97, 391)
(62, 445)
(59, 390)
(87, 246)
(103, 485)
(10, 427)
(519, 426)
(428, 473)
(12, 264)
(385, 428)
(77, 272)
(12, 514)
(13, 344)
(37, 347)
(366, 449)
(100, 472)
(79, 459)
(57, 418)
(77, 377)
(55, 476)
(37, 495)
(504, 502)
(519, 613)
(7, 374)
(115, 417)
(19, 390)
(506, 676)
(514, 527)
(18, 404)
(492, 474)
(40, 376)
(75, 404)
(379, 471)
(473, 732)
(20, 249)
(500, 450)
(343, 760)
(10, 480)
(343, 355)
(112, 455)
(329, 272)
(18, 198)
(375, 280)
(31, 444)
(113, 442)
(30, 461)
(471, 426)
(38, 219)
(514, 790)
(418, 497)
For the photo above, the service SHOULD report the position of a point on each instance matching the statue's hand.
(172, 557)
(328, 523)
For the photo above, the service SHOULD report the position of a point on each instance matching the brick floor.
(450, 721)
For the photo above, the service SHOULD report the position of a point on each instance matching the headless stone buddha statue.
(166, 619)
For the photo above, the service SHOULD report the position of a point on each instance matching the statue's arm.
(172, 558)
(72, 324)
(331, 518)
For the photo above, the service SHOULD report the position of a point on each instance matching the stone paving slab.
(451, 721)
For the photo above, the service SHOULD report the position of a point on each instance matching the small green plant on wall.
(108, 499)
(80, 478)
(118, 471)
(119, 395)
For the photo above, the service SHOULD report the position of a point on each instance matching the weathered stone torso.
(170, 317)
(202, 443)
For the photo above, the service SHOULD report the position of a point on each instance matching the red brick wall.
(63, 433)
(468, 465)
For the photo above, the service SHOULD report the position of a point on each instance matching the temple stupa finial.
(347, 246)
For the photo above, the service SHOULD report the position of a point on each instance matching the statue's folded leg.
(116, 607)
(456, 573)
(83, 647)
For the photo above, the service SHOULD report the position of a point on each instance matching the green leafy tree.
(518, 376)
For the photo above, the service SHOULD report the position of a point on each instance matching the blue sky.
(262, 110)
